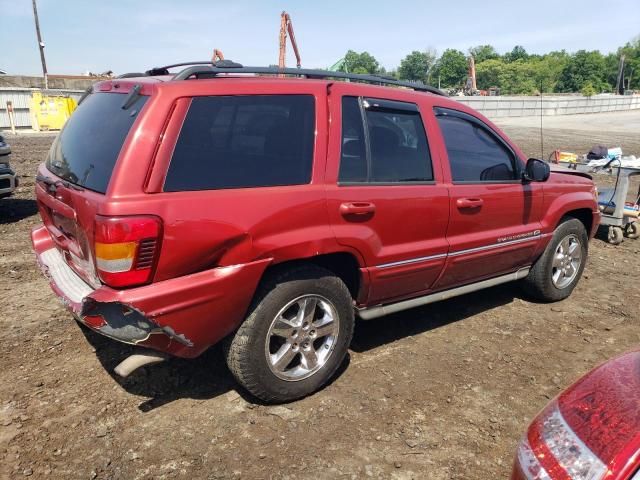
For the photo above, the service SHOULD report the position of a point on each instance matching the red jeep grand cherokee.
(268, 211)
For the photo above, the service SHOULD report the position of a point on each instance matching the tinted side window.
(353, 157)
(475, 155)
(398, 150)
(244, 141)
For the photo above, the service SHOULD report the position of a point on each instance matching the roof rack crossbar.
(211, 70)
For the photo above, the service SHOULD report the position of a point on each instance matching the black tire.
(245, 350)
(632, 230)
(539, 283)
(615, 235)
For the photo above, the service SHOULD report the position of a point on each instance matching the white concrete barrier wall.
(494, 107)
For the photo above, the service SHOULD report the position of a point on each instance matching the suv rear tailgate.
(69, 217)
(72, 184)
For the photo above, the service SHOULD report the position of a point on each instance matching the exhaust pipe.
(133, 362)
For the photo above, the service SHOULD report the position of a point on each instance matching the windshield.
(86, 150)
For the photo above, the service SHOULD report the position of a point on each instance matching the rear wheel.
(295, 336)
(556, 273)
(632, 230)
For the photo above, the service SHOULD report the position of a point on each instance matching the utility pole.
(40, 45)
(620, 81)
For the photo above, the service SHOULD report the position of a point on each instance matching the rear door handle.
(357, 208)
(469, 202)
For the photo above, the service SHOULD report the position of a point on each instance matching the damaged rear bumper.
(182, 316)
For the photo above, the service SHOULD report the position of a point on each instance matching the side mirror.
(536, 171)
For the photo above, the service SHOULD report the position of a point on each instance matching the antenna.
(541, 134)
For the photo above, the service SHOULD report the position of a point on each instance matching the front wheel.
(556, 273)
(295, 337)
(615, 235)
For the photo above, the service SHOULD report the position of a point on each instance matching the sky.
(134, 35)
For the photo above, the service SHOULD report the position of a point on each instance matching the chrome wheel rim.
(566, 261)
(302, 337)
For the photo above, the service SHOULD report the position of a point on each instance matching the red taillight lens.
(551, 449)
(126, 249)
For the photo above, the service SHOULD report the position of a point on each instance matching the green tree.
(631, 52)
(416, 66)
(514, 78)
(518, 53)
(451, 68)
(547, 69)
(584, 67)
(518, 78)
(482, 53)
(588, 90)
(488, 73)
(364, 62)
(611, 65)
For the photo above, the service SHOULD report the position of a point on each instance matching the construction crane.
(287, 27)
(470, 87)
(218, 56)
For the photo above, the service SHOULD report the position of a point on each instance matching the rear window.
(244, 141)
(87, 148)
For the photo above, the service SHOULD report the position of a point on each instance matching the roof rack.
(206, 69)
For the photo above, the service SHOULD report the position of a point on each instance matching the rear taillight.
(552, 450)
(126, 249)
(528, 463)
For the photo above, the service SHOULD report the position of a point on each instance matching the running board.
(382, 310)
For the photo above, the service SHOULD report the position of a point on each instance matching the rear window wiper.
(53, 184)
(86, 93)
(132, 97)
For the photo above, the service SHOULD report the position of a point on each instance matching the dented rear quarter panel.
(200, 309)
(212, 228)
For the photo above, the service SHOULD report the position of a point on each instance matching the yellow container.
(50, 112)
(567, 157)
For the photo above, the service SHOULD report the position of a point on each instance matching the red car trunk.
(71, 185)
(69, 216)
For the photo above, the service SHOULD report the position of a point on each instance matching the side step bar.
(382, 310)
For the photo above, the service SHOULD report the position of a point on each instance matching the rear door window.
(475, 153)
(244, 141)
(86, 150)
(383, 141)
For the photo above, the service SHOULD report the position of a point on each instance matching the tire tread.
(237, 348)
(538, 284)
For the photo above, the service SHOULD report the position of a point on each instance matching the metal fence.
(21, 100)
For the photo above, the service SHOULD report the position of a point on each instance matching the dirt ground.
(440, 392)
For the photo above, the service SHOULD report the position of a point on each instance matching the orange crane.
(218, 56)
(287, 26)
(472, 72)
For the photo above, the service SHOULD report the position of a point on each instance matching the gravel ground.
(439, 392)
